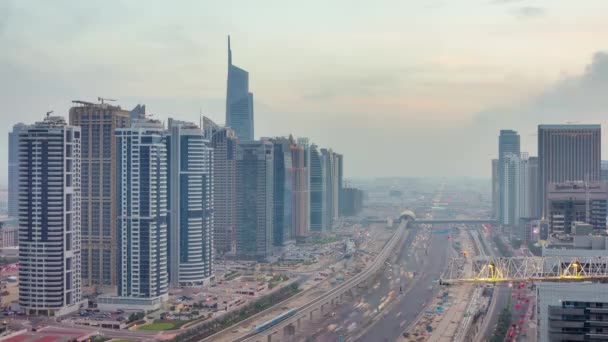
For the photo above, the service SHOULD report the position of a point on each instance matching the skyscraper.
(224, 143)
(339, 175)
(283, 183)
(317, 190)
(190, 205)
(567, 153)
(534, 209)
(255, 188)
(330, 200)
(300, 196)
(49, 217)
(13, 170)
(239, 101)
(98, 123)
(142, 211)
(508, 143)
(495, 187)
(305, 144)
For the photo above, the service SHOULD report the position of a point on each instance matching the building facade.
(190, 205)
(49, 218)
(283, 192)
(328, 158)
(98, 123)
(534, 209)
(300, 195)
(508, 144)
(239, 101)
(495, 187)
(255, 189)
(572, 312)
(142, 210)
(570, 202)
(317, 190)
(567, 153)
(13, 170)
(224, 143)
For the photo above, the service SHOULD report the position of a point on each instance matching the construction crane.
(49, 113)
(103, 99)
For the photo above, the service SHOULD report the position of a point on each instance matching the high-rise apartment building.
(190, 205)
(567, 153)
(142, 211)
(305, 144)
(13, 170)
(239, 101)
(317, 190)
(340, 176)
(224, 143)
(508, 144)
(534, 209)
(98, 123)
(571, 202)
(331, 187)
(283, 187)
(300, 195)
(255, 189)
(49, 217)
(495, 187)
(514, 196)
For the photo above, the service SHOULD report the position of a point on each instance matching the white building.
(49, 218)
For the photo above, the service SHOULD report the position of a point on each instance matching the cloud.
(529, 12)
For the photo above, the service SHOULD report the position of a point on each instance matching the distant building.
(533, 207)
(98, 123)
(142, 212)
(224, 143)
(190, 205)
(572, 311)
(508, 144)
(567, 203)
(567, 153)
(317, 191)
(13, 170)
(283, 188)
(255, 204)
(49, 218)
(340, 177)
(239, 101)
(604, 171)
(300, 192)
(353, 201)
(139, 112)
(331, 186)
(514, 201)
(495, 187)
(305, 144)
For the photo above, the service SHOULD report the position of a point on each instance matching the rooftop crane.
(103, 99)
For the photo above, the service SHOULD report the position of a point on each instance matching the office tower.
(495, 187)
(567, 153)
(604, 171)
(255, 188)
(224, 143)
(570, 202)
(337, 187)
(98, 123)
(353, 201)
(13, 170)
(300, 196)
(190, 204)
(283, 183)
(49, 217)
(330, 200)
(317, 190)
(339, 175)
(572, 312)
(514, 203)
(508, 143)
(305, 144)
(534, 209)
(239, 101)
(142, 210)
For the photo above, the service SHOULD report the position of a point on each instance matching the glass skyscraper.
(13, 170)
(317, 190)
(508, 144)
(239, 101)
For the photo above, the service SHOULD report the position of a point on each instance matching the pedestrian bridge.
(491, 269)
(410, 216)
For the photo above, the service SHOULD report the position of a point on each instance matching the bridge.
(324, 302)
(491, 269)
(410, 216)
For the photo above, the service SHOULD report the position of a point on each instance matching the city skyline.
(426, 75)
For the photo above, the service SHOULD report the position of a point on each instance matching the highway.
(387, 324)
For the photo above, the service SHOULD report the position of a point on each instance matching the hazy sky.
(401, 88)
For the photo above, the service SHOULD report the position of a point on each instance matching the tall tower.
(317, 191)
(190, 194)
(49, 218)
(255, 188)
(239, 101)
(567, 153)
(508, 143)
(142, 210)
(98, 123)
(13, 170)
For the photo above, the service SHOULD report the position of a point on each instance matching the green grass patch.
(158, 326)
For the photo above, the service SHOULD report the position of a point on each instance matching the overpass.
(455, 221)
(492, 269)
(324, 302)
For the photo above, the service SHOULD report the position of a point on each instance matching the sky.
(401, 88)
